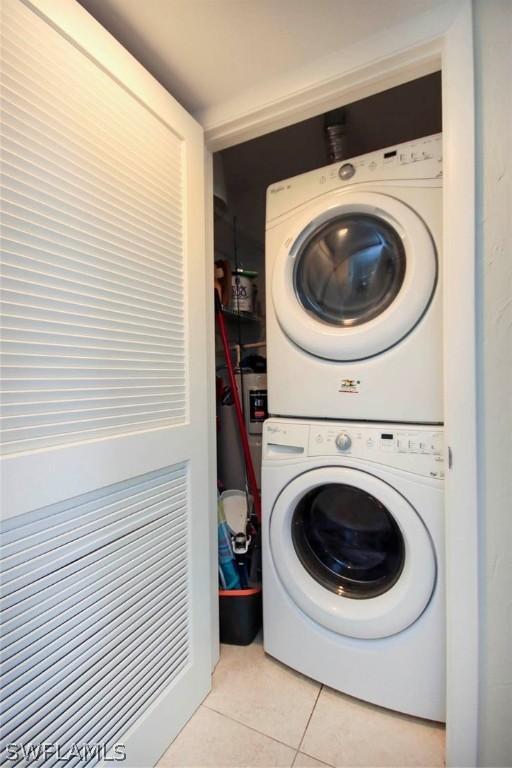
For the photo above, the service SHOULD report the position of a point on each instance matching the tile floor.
(260, 713)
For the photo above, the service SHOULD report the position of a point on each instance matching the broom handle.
(249, 466)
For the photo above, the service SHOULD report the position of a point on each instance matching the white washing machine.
(354, 311)
(353, 575)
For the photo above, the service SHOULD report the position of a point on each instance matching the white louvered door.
(105, 563)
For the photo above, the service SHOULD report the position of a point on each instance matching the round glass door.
(348, 541)
(351, 552)
(353, 275)
(350, 269)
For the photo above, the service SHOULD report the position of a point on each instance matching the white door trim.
(391, 57)
(461, 505)
(442, 38)
(210, 383)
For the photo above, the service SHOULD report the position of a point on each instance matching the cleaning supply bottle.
(228, 572)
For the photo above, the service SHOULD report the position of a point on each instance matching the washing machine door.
(352, 553)
(354, 275)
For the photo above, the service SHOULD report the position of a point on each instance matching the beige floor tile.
(256, 690)
(214, 741)
(305, 761)
(347, 732)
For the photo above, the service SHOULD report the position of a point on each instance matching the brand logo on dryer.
(349, 386)
(279, 188)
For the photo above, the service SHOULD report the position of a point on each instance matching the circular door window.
(350, 269)
(351, 552)
(348, 541)
(355, 274)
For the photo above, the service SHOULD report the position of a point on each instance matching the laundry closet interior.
(242, 175)
(347, 393)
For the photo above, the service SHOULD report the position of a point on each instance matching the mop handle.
(251, 476)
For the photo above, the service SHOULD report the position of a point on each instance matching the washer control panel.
(417, 449)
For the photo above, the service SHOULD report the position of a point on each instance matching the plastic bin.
(240, 615)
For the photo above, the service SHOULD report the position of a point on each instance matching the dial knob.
(343, 441)
(346, 171)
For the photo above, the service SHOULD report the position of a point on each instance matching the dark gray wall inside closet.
(399, 114)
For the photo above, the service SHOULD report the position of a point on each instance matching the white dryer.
(353, 574)
(354, 308)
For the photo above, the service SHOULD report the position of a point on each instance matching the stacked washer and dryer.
(353, 559)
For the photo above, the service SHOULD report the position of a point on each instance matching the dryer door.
(352, 553)
(354, 275)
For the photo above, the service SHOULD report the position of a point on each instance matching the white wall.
(493, 64)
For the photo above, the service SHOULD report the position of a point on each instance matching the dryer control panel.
(418, 161)
(413, 449)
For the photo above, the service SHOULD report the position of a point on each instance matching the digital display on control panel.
(386, 436)
(390, 154)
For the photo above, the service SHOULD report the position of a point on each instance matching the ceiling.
(206, 52)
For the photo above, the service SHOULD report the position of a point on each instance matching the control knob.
(343, 441)
(346, 171)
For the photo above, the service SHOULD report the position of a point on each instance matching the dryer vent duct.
(335, 135)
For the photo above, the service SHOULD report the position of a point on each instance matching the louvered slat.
(92, 269)
(95, 600)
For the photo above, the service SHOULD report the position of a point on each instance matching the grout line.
(250, 727)
(316, 759)
(310, 716)
(294, 758)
